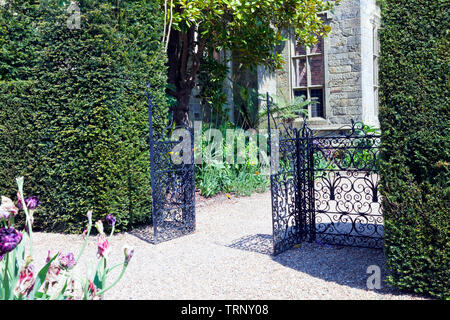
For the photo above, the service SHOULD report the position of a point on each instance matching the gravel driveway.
(229, 258)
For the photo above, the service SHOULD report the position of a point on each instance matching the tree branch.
(170, 24)
(165, 23)
(196, 61)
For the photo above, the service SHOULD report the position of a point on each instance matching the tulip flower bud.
(28, 261)
(26, 280)
(89, 216)
(67, 262)
(92, 289)
(128, 252)
(9, 239)
(85, 233)
(32, 202)
(110, 219)
(103, 246)
(99, 226)
(20, 182)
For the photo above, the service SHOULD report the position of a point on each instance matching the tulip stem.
(112, 268)
(101, 293)
(5, 279)
(27, 215)
(85, 241)
(112, 230)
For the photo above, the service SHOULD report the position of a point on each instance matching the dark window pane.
(304, 94)
(300, 50)
(300, 72)
(299, 93)
(317, 106)
(318, 47)
(316, 67)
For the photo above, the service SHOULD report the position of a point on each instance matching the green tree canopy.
(252, 29)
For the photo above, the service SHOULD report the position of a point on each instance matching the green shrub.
(18, 39)
(213, 177)
(79, 116)
(414, 117)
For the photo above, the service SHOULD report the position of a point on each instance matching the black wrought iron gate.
(173, 185)
(324, 187)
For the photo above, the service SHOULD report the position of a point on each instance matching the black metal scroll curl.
(327, 187)
(173, 184)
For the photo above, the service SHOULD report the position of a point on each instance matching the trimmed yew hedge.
(73, 115)
(414, 117)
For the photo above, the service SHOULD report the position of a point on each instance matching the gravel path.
(229, 258)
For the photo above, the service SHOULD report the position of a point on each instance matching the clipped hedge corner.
(414, 117)
(73, 113)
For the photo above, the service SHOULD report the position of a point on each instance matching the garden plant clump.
(226, 168)
(56, 280)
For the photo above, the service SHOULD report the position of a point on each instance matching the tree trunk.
(181, 112)
(183, 63)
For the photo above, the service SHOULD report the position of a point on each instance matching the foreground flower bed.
(55, 280)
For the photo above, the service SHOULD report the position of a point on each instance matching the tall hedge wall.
(414, 117)
(73, 113)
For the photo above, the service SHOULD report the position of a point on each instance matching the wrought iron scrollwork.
(347, 205)
(290, 194)
(173, 185)
(327, 186)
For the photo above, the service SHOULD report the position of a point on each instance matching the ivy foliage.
(414, 117)
(73, 114)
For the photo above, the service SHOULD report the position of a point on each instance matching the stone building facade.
(339, 73)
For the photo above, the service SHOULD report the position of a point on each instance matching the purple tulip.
(9, 239)
(67, 261)
(19, 203)
(110, 219)
(31, 202)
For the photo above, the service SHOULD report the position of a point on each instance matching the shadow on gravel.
(144, 233)
(346, 266)
(343, 265)
(260, 243)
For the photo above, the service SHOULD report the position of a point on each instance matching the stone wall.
(370, 23)
(343, 65)
(348, 60)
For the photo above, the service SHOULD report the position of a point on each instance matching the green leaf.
(98, 278)
(41, 278)
(42, 295)
(63, 290)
